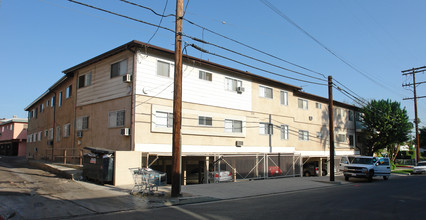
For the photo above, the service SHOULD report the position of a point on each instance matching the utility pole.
(177, 104)
(413, 72)
(331, 125)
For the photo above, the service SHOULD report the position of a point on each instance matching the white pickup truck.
(368, 167)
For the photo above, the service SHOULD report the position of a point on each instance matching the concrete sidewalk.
(212, 192)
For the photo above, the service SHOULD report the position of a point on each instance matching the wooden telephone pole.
(413, 72)
(177, 104)
(331, 125)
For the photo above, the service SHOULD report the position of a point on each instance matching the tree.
(422, 137)
(385, 125)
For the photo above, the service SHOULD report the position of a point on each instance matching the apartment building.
(13, 136)
(122, 100)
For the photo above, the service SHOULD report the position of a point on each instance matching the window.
(339, 112)
(68, 92)
(351, 140)
(50, 135)
(205, 75)
(36, 112)
(318, 105)
(116, 119)
(52, 101)
(42, 107)
(284, 132)
(232, 84)
(163, 69)
(351, 115)
(265, 128)
(206, 121)
(164, 119)
(303, 135)
(265, 92)
(58, 134)
(341, 138)
(47, 103)
(29, 138)
(11, 127)
(284, 97)
(303, 104)
(82, 123)
(45, 133)
(60, 99)
(119, 68)
(85, 80)
(233, 126)
(67, 130)
(35, 137)
(40, 133)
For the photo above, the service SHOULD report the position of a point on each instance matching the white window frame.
(169, 65)
(265, 128)
(205, 121)
(50, 134)
(68, 92)
(206, 76)
(60, 99)
(119, 68)
(341, 138)
(40, 134)
(232, 84)
(303, 104)
(84, 80)
(263, 92)
(303, 135)
(231, 126)
(52, 101)
(318, 105)
(116, 118)
(284, 132)
(67, 130)
(284, 97)
(163, 119)
(82, 123)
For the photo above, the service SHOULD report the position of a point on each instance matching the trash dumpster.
(98, 166)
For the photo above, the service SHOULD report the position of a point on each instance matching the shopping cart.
(147, 180)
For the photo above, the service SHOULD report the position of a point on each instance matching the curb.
(68, 173)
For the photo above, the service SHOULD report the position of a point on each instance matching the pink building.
(13, 136)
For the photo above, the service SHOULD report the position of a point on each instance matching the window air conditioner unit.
(79, 134)
(127, 78)
(240, 89)
(239, 143)
(125, 131)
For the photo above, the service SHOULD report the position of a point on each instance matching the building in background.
(122, 100)
(13, 136)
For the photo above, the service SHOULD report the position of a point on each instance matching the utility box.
(98, 166)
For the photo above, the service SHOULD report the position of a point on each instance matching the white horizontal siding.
(194, 90)
(103, 87)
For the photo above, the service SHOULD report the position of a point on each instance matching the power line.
(262, 61)
(228, 38)
(251, 66)
(120, 15)
(161, 20)
(281, 14)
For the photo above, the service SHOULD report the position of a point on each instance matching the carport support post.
(206, 170)
(331, 125)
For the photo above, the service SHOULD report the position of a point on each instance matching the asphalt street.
(397, 198)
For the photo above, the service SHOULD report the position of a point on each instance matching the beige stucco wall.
(99, 135)
(122, 162)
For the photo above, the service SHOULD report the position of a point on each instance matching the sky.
(364, 45)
